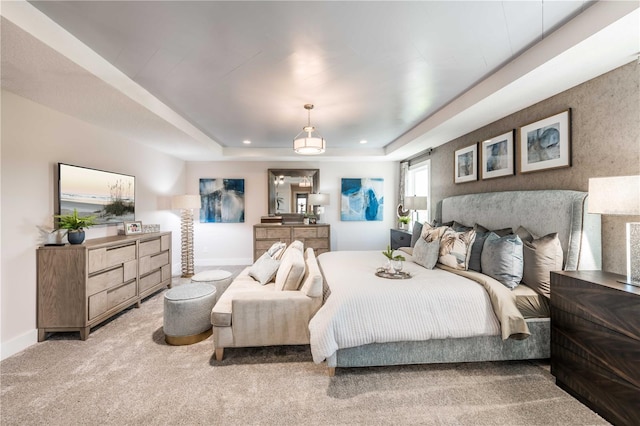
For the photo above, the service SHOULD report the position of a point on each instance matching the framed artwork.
(497, 156)
(545, 144)
(466, 164)
(133, 228)
(222, 200)
(362, 199)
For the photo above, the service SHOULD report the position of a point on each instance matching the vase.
(75, 237)
(397, 265)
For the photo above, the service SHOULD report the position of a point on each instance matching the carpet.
(126, 374)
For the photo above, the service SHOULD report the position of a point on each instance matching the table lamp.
(319, 200)
(186, 203)
(620, 195)
(415, 203)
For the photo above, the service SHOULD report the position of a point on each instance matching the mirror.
(289, 189)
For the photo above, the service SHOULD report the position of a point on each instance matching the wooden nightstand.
(595, 342)
(400, 238)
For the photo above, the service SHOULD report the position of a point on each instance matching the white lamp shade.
(308, 145)
(319, 199)
(179, 202)
(415, 203)
(618, 195)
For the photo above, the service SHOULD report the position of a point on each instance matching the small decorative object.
(496, 156)
(382, 273)
(133, 228)
(466, 164)
(545, 144)
(75, 224)
(404, 221)
(222, 200)
(391, 260)
(362, 199)
(313, 220)
(150, 228)
(186, 203)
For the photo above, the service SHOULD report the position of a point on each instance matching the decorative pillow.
(524, 234)
(499, 232)
(291, 271)
(277, 249)
(264, 269)
(541, 256)
(502, 259)
(429, 233)
(417, 231)
(455, 248)
(426, 254)
(476, 251)
(458, 227)
(296, 245)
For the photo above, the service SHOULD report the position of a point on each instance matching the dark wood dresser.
(595, 342)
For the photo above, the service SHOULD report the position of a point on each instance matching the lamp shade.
(415, 203)
(319, 199)
(179, 202)
(618, 195)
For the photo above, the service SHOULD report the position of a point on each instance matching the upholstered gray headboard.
(540, 212)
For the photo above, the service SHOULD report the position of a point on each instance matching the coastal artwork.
(222, 200)
(465, 161)
(362, 199)
(110, 197)
(546, 144)
(497, 156)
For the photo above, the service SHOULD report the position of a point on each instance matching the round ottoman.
(187, 313)
(218, 278)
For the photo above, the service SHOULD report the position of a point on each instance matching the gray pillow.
(417, 231)
(426, 254)
(502, 259)
(264, 269)
(476, 251)
(541, 256)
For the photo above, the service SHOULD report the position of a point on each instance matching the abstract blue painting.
(362, 199)
(222, 200)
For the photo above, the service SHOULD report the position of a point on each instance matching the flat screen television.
(108, 196)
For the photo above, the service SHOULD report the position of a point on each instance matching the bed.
(371, 321)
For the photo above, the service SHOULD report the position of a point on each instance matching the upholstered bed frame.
(540, 212)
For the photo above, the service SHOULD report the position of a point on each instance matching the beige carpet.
(125, 374)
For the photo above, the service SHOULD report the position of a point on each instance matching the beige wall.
(605, 142)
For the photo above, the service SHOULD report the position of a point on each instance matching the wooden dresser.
(595, 342)
(80, 286)
(315, 236)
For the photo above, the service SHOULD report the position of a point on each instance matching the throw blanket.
(433, 304)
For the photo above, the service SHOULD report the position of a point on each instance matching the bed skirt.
(470, 349)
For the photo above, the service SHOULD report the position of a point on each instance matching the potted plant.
(394, 263)
(404, 221)
(75, 225)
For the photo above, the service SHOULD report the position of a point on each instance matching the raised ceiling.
(404, 76)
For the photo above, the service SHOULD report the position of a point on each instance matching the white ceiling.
(195, 79)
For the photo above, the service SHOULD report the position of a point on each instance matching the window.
(419, 183)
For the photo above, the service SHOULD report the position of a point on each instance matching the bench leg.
(219, 354)
(331, 371)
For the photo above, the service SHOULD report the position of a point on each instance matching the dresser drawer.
(316, 243)
(150, 247)
(150, 280)
(105, 300)
(105, 280)
(165, 242)
(309, 232)
(104, 258)
(149, 263)
(322, 231)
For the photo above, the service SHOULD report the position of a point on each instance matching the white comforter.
(364, 308)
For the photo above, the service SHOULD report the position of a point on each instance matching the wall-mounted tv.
(108, 196)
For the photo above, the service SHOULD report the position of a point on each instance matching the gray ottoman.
(187, 313)
(218, 278)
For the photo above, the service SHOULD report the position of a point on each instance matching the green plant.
(389, 254)
(404, 219)
(73, 222)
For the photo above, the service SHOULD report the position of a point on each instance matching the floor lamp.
(620, 195)
(186, 203)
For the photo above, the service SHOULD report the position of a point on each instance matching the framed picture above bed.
(497, 156)
(466, 164)
(545, 144)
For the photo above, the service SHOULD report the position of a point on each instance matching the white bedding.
(364, 308)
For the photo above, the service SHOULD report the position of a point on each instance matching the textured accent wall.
(605, 142)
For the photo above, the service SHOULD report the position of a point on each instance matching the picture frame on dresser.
(465, 164)
(545, 144)
(133, 228)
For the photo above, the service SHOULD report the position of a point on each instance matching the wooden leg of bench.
(219, 354)
(331, 371)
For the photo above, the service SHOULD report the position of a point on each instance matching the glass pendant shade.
(309, 141)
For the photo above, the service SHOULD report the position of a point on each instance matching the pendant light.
(309, 141)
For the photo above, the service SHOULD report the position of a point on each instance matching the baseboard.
(18, 344)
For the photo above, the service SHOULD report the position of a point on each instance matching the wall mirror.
(289, 189)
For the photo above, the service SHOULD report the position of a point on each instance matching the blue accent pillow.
(502, 259)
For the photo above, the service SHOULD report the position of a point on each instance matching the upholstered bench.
(187, 313)
(218, 278)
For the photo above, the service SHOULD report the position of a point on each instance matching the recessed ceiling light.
(363, 141)
(246, 141)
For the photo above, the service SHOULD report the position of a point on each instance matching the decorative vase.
(75, 237)
(397, 265)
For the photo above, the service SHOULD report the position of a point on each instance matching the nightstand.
(595, 342)
(400, 238)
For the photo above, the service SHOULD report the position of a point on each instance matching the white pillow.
(277, 249)
(291, 271)
(264, 269)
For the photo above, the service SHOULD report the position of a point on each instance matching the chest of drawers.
(314, 236)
